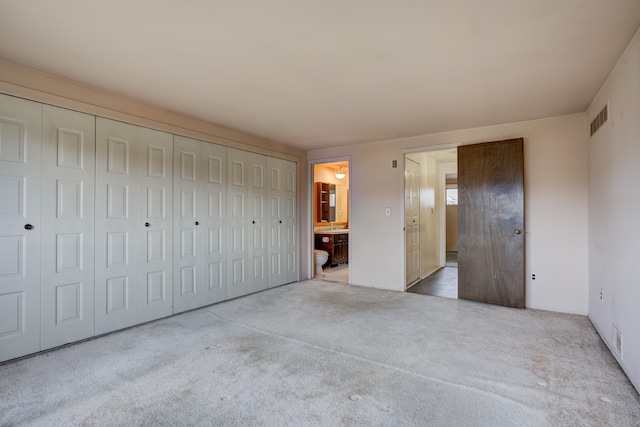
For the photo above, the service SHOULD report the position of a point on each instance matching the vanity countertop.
(342, 231)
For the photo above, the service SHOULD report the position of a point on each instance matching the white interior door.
(117, 230)
(187, 234)
(258, 211)
(277, 225)
(214, 165)
(412, 220)
(291, 221)
(155, 283)
(20, 224)
(67, 226)
(282, 240)
(237, 223)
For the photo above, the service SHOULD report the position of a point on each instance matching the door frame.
(311, 212)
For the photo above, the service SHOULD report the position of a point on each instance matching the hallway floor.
(442, 282)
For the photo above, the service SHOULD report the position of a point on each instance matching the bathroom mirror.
(330, 203)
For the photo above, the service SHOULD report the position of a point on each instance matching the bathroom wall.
(614, 209)
(555, 206)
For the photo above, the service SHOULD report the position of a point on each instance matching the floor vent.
(617, 340)
(599, 120)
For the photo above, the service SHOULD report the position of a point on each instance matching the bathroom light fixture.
(340, 173)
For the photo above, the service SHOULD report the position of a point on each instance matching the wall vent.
(617, 341)
(599, 120)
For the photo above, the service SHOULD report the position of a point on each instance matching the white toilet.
(321, 258)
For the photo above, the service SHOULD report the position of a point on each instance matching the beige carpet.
(322, 353)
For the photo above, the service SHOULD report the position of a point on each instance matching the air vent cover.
(599, 120)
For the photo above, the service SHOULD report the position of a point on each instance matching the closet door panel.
(290, 211)
(117, 229)
(258, 208)
(155, 283)
(214, 165)
(67, 289)
(238, 222)
(20, 225)
(188, 240)
(276, 203)
(282, 220)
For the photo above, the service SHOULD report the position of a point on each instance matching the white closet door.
(290, 267)
(258, 212)
(117, 230)
(155, 290)
(214, 165)
(238, 221)
(282, 221)
(20, 194)
(67, 289)
(276, 206)
(188, 241)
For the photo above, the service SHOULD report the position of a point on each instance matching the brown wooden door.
(491, 223)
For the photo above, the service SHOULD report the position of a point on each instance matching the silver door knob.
(517, 231)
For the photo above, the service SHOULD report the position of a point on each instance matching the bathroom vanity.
(336, 243)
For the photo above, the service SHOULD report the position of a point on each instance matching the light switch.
(388, 211)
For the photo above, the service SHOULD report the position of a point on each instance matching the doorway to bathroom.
(330, 218)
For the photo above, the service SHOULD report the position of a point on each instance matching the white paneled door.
(134, 185)
(247, 223)
(20, 226)
(199, 223)
(188, 242)
(105, 225)
(412, 220)
(282, 251)
(67, 226)
(155, 277)
(117, 230)
(214, 166)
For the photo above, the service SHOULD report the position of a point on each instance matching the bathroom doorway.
(331, 219)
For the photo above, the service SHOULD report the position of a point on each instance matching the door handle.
(197, 223)
(517, 231)
(146, 224)
(28, 226)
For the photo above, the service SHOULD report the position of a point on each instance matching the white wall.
(555, 207)
(614, 211)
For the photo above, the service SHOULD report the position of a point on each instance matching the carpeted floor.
(323, 353)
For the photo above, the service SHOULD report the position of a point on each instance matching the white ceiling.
(317, 73)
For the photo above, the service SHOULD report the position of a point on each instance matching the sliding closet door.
(155, 160)
(20, 225)
(67, 226)
(117, 230)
